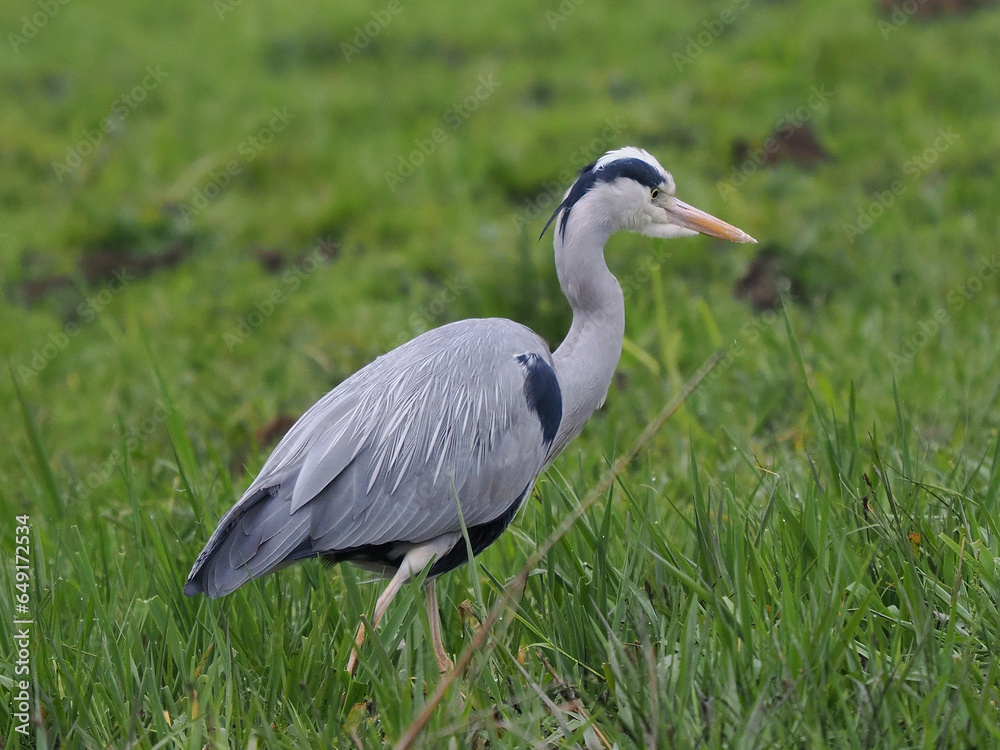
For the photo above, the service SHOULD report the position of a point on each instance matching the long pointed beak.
(696, 220)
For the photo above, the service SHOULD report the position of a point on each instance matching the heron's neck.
(585, 362)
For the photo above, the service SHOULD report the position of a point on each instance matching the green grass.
(804, 556)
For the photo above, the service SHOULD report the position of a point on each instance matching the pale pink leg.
(415, 560)
(434, 616)
(381, 605)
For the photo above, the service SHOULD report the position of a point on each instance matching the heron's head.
(628, 189)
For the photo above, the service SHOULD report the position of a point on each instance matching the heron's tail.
(258, 535)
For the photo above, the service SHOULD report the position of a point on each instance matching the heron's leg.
(418, 557)
(381, 605)
(434, 616)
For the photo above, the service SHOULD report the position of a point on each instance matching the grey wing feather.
(383, 457)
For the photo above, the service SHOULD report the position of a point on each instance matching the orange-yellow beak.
(696, 220)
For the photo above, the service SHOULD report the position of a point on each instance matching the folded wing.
(462, 414)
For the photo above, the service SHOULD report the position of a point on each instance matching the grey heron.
(468, 414)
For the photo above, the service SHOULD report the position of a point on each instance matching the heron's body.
(466, 415)
(347, 484)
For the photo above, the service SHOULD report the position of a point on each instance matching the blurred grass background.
(212, 213)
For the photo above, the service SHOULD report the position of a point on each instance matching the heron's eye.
(654, 193)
